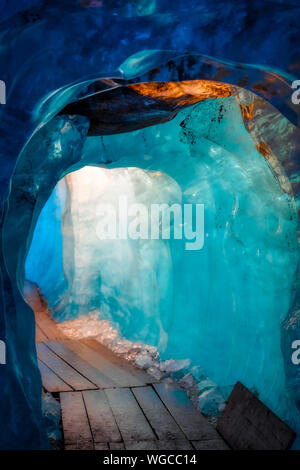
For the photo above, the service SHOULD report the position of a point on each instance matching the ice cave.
(151, 125)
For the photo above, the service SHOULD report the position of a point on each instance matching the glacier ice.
(52, 419)
(42, 77)
(219, 308)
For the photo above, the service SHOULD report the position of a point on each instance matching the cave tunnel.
(166, 128)
(153, 290)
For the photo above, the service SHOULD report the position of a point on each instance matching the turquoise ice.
(220, 307)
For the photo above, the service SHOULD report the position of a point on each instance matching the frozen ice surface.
(233, 339)
(144, 361)
(172, 365)
(52, 415)
(220, 308)
(211, 402)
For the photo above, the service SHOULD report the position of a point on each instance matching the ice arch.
(230, 298)
(82, 40)
(63, 143)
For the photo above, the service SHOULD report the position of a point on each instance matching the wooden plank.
(160, 419)
(246, 423)
(129, 417)
(62, 369)
(101, 446)
(40, 337)
(189, 419)
(76, 427)
(116, 446)
(79, 364)
(141, 445)
(212, 444)
(51, 382)
(118, 375)
(102, 421)
(176, 444)
(113, 358)
(48, 326)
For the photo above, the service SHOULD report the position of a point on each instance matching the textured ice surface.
(49, 45)
(48, 231)
(52, 419)
(219, 308)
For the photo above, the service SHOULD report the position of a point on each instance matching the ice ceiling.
(163, 124)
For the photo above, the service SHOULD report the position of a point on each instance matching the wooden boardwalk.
(107, 403)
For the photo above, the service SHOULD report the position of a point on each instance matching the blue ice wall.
(48, 45)
(44, 263)
(222, 306)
